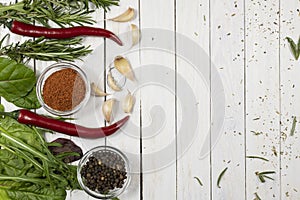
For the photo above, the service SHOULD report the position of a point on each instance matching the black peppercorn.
(104, 171)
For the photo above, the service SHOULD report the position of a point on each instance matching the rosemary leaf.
(256, 196)
(261, 178)
(267, 172)
(263, 175)
(198, 180)
(220, 177)
(294, 47)
(293, 126)
(258, 157)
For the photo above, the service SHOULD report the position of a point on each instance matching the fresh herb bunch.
(45, 50)
(62, 13)
(27, 167)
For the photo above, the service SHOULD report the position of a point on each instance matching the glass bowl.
(103, 163)
(55, 68)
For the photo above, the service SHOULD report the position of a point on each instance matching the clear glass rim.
(93, 193)
(42, 78)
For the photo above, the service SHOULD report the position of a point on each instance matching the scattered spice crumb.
(293, 126)
(274, 150)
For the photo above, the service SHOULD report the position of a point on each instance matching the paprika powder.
(64, 90)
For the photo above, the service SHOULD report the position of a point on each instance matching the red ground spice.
(63, 90)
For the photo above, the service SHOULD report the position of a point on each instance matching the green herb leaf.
(263, 175)
(115, 198)
(2, 109)
(258, 157)
(293, 126)
(198, 180)
(220, 177)
(294, 47)
(16, 80)
(29, 101)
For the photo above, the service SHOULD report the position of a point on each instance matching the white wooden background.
(245, 39)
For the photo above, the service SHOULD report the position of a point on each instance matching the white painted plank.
(289, 70)
(159, 170)
(227, 55)
(262, 93)
(127, 139)
(191, 164)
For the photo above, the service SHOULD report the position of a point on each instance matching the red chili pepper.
(31, 118)
(24, 29)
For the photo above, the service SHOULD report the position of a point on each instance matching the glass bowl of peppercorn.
(103, 172)
(63, 89)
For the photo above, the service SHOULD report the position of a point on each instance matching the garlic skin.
(124, 67)
(112, 83)
(107, 108)
(127, 16)
(136, 34)
(128, 103)
(96, 91)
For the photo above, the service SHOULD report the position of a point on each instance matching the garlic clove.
(112, 83)
(107, 109)
(96, 91)
(124, 67)
(136, 34)
(128, 103)
(127, 16)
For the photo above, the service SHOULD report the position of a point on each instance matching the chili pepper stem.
(13, 114)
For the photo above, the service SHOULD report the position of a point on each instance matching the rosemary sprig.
(220, 177)
(263, 175)
(293, 126)
(62, 13)
(258, 157)
(198, 180)
(295, 48)
(46, 50)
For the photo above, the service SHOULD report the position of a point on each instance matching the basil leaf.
(29, 101)
(294, 48)
(16, 80)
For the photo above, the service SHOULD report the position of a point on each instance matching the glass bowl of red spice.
(63, 89)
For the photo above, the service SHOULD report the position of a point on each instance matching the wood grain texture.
(227, 54)
(290, 107)
(191, 164)
(245, 41)
(262, 97)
